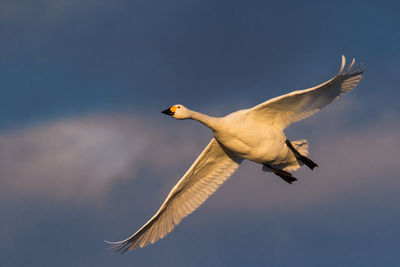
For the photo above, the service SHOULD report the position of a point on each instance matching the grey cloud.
(351, 163)
(81, 158)
(84, 158)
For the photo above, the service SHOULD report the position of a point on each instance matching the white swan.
(255, 134)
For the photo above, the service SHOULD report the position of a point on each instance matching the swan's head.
(177, 111)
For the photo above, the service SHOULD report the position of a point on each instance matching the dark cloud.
(74, 56)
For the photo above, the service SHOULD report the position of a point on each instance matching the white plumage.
(255, 134)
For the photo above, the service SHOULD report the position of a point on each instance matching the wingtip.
(350, 65)
(112, 242)
(117, 247)
(343, 63)
(351, 68)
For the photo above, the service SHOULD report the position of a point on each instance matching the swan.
(254, 134)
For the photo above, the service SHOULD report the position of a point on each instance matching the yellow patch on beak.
(173, 108)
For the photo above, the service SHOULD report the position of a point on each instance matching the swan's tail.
(301, 146)
(300, 150)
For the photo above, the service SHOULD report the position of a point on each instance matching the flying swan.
(255, 134)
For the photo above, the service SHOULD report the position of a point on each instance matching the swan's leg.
(286, 176)
(310, 164)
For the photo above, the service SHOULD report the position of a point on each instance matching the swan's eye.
(179, 107)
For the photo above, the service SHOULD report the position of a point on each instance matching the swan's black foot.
(286, 176)
(310, 164)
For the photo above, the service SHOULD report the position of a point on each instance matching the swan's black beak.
(168, 111)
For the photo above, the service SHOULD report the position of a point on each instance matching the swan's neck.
(210, 122)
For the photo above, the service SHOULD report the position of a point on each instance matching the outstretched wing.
(286, 109)
(210, 170)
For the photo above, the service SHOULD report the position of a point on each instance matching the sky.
(86, 155)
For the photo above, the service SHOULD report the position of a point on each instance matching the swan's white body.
(255, 134)
(249, 139)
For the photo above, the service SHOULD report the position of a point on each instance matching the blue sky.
(86, 155)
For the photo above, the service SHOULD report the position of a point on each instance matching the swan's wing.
(210, 170)
(286, 109)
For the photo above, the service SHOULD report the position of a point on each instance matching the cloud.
(356, 164)
(81, 158)
(83, 162)
(84, 158)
